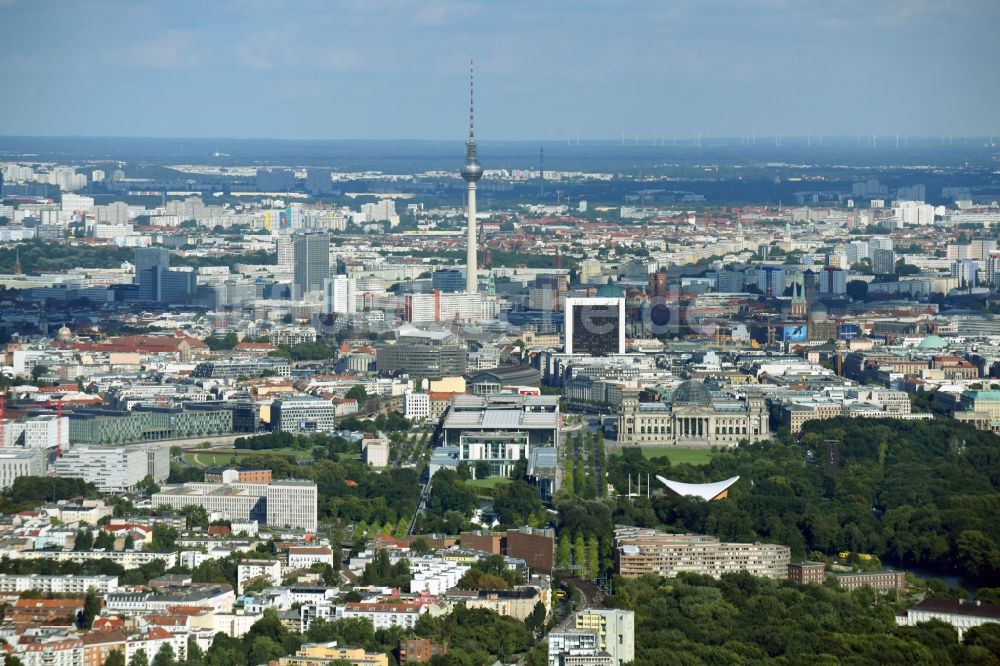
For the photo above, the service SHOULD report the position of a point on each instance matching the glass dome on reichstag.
(692, 392)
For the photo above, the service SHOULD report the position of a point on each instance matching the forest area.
(911, 493)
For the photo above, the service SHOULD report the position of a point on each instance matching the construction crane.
(3, 418)
(720, 339)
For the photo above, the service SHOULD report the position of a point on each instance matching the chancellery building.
(693, 417)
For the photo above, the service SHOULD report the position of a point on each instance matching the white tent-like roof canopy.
(706, 491)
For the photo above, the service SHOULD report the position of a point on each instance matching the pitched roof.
(49, 604)
(959, 607)
(143, 343)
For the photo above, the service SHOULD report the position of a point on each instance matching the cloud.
(341, 59)
(171, 49)
(426, 13)
(442, 12)
(269, 49)
(287, 47)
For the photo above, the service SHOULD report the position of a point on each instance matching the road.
(421, 506)
(222, 441)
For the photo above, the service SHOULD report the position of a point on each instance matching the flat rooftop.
(473, 402)
(501, 419)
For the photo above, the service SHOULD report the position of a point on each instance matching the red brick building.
(536, 547)
(419, 650)
(880, 581)
(483, 541)
(805, 573)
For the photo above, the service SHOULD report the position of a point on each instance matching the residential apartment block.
(639, 551)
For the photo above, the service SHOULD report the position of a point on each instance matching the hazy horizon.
(392, 69)
(814, 140)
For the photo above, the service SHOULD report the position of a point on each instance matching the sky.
(545, 69)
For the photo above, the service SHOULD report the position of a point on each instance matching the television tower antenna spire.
(471, 172)
(472, 100)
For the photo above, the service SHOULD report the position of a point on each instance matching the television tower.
(471, 172)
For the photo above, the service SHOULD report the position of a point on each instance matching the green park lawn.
(489, 482)
(678, 456)
(226, 456)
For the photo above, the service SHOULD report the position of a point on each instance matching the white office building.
(417, 406)
(47, 431)
(15, 463)
(303, 414)
(286, 503)
(115, 469)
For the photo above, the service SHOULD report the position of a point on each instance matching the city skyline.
(441, 331)
(257, 68)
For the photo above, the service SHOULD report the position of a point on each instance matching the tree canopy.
(742, 619)
(913, 493)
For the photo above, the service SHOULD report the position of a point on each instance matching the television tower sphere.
(472, 170)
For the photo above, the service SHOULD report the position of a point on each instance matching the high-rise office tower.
(318, 181)
(883, 261)
(155, 279)
(312, 263)
(967, 273)
(338, 295)
(471, 172)
(151, 257)
(595, 326)
(993, 268)
(286, 252)
(447, 280)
